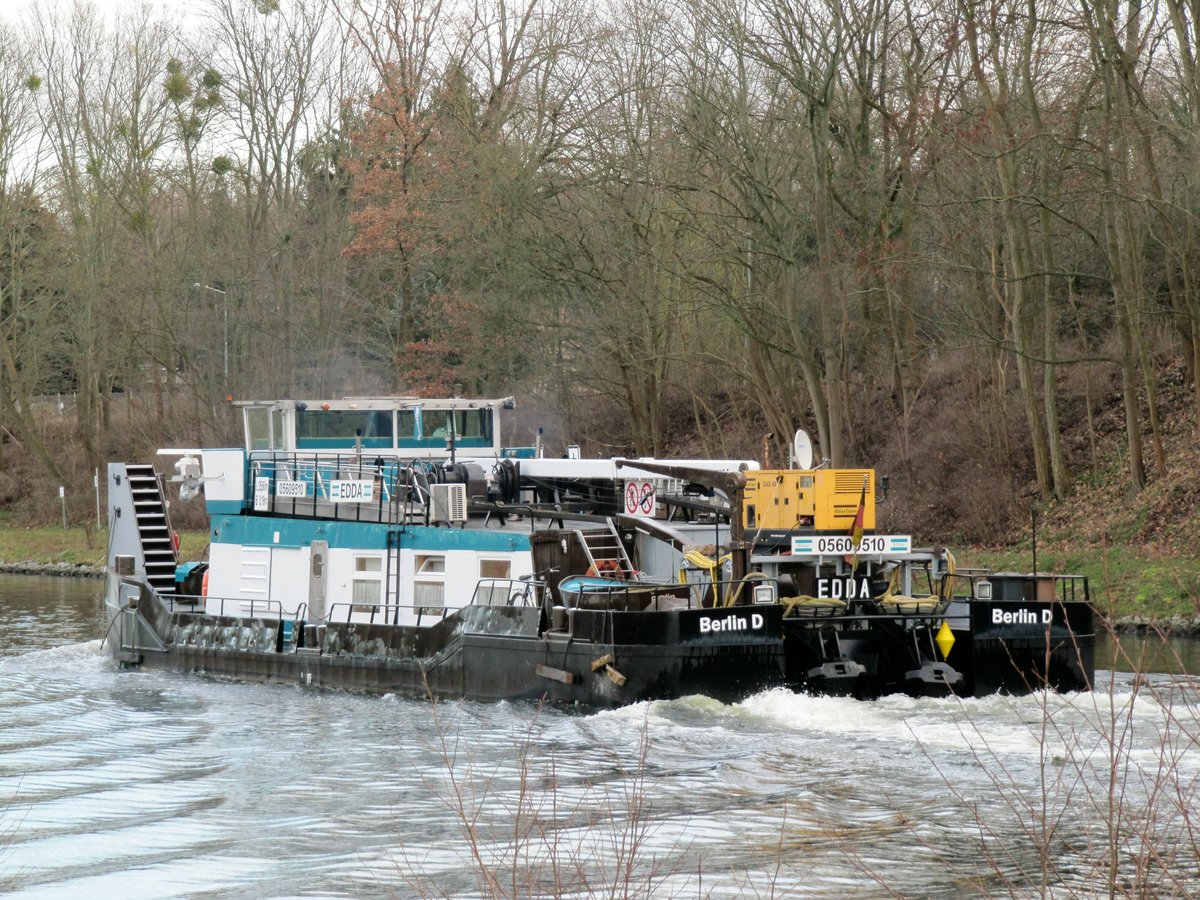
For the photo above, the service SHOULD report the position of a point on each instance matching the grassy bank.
(75, 546)
(1125, 581)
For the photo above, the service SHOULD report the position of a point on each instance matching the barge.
(394, 545)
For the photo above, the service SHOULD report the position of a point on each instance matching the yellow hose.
(709, 565)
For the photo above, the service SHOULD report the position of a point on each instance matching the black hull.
(868, 654)
(608, 658)
(492, 669)
(602, 658)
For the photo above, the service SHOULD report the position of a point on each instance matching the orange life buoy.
(604, 568)
(204, 584)
(175, 541)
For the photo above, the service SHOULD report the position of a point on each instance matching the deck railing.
(246, 608)
(347, 487)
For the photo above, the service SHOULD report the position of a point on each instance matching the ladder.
(605, 551)
(154, 528)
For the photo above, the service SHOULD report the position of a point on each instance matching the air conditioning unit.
(449, 502)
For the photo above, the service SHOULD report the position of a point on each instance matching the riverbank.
(74, 552)
(56, 569)
(70, 553)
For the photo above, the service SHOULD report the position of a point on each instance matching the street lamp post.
(225, 321)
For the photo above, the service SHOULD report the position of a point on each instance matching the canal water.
(120, 784)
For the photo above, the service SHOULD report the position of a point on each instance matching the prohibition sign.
(631, 498)
(646, 502)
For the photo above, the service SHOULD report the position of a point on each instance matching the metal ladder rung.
(149, 508)
(605, 547)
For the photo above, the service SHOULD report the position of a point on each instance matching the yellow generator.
(808, 499)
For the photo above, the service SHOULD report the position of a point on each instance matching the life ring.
(175, 541)
(204, 584)
(604, 568)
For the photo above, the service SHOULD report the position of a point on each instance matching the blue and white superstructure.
(338, 508)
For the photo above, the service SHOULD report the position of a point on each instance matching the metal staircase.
(154, 528)
(605, 552)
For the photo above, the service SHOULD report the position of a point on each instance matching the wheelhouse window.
(406, 424)
(473, 423)
(341, 427)
(263, 428)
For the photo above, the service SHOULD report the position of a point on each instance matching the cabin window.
(489, 592)
(495, 568)
(429, 597)
(429, 589)
(366, 588)
(431, 565)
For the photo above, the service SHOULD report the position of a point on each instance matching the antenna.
(802, 449)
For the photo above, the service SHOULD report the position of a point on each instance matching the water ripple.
(120, 783)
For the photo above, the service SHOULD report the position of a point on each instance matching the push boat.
(394, 545)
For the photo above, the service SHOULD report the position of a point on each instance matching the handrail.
(528, 589)
(1068, 587)
(377, 609)
(654, 590)
(193, 600)
(394, 479)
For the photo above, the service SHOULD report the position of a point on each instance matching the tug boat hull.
(873, 655)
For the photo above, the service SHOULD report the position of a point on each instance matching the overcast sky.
(17, 11)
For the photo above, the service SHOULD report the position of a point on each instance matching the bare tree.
(29, 329)
(275, 60)
(104, 116)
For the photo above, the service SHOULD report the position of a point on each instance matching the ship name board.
(291, 488)
(1022, 616)
(712, 625)
(844, 588)
(836, 544)
(352, 491)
